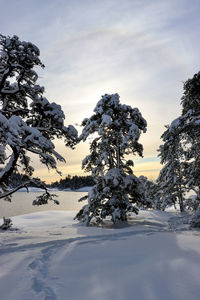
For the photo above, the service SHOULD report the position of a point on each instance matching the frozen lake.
(22, 203)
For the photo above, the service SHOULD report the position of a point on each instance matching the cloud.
(141, 49)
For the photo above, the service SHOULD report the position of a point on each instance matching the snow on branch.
(28, 121)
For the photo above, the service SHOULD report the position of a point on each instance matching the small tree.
(117, 191)
(171, 180)
(150, 192)
(28, 121)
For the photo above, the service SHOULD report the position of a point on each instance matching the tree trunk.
(180, 193)
(118, 155)
(180, 199)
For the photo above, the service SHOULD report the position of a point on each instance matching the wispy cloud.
(141, 49)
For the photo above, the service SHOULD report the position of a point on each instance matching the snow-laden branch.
(10, 91)
(10, 192)
(28, 121)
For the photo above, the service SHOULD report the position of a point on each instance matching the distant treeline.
(69, 182)
(75, 182)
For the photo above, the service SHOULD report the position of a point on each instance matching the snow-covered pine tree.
(117, 191)
(190, 132)
(28, 121)
(150, 192)
(181, 149)
(171, 180)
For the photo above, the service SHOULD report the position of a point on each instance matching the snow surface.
(48, 255)
(84, 189)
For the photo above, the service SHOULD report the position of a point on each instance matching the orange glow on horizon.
(148, 169)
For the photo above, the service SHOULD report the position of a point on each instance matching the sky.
(143, 50)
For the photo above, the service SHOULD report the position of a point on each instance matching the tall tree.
(190, 131)
(28, 121)
(117, 191)
(191, 139)
(181, 149)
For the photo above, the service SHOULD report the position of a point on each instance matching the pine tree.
(28, 121)
(150, 192)
(171, 180)
(117, 191)
(191, 131)
(181, 149)
(191, 139)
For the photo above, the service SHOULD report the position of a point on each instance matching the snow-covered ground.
(48, 255)
(83, 189)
